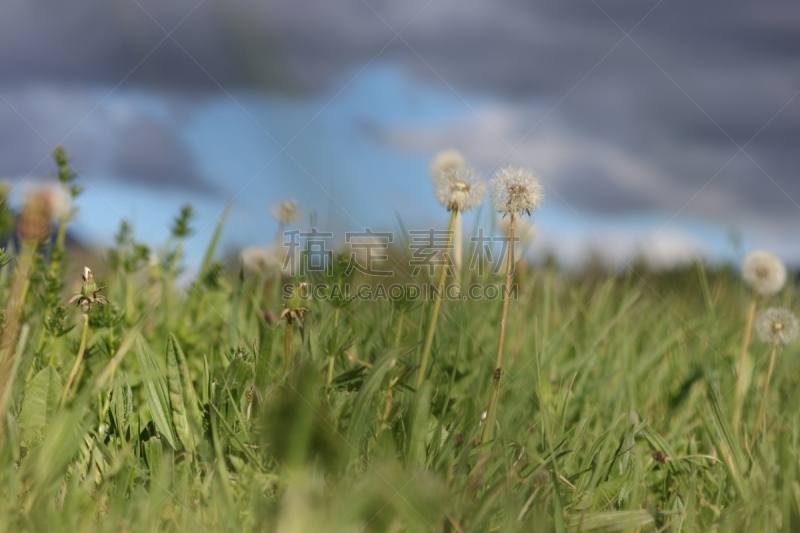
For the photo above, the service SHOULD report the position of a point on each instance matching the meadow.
(224, 405)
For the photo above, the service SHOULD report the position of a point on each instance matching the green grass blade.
(363, 412)
(186, 433)
(156, 391)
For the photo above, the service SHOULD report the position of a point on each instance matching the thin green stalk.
(399, 333)
(61, 236)
(171, 274)
(53, 352)
(332, 357)
(78, 359)
(437, 304)
(760, 414)
(458, 246)
(20, 282)
(738, 395)
(195, 291)
(287, 343)
(53, 268)
(129, 296)
(498, 363)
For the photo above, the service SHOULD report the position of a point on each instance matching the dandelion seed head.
(455, 185)
(777, 326)
(459, 189)
(285, 212)
(516, 191)
(60, 203)
(763, 272)
(263, 258)
(447, 161)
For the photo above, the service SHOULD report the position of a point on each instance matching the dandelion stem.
(498, 363)
(739, 391)
(458, 246)
(437, 304)
(78, 359)
(760, 414)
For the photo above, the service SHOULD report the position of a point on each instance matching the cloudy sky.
(665, 126)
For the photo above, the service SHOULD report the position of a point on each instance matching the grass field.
(616, 407)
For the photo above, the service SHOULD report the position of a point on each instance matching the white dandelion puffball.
(285, 212)
(455, 185)
(459, 189)
(60, 203)
(259, 258)
(447, 161)
(516, 191)
(763, 272)
(777, 326)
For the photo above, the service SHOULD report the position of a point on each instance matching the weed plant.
(188, 413)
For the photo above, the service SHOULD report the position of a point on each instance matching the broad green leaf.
(154, 451)
(607, 493)
(418, 426)
(43, 469)
(41, 400)
(156, 391)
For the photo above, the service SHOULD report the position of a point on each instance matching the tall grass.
(617, 408)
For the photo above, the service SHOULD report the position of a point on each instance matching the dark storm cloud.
(115, 143)
(108, 41)
(59, 59)
(651, 121)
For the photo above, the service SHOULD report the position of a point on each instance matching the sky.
(661, 129)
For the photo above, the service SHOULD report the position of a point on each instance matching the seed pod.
(89, 286)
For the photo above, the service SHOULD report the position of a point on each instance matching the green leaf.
(179, 417)
(41, 400)
(608, 492)
(416, 445)
(155, 453)
(156, 391)
(362, 409)
(122, 404)
(189, 394)
(611, 521)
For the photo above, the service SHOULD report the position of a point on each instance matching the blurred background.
(663, 128)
